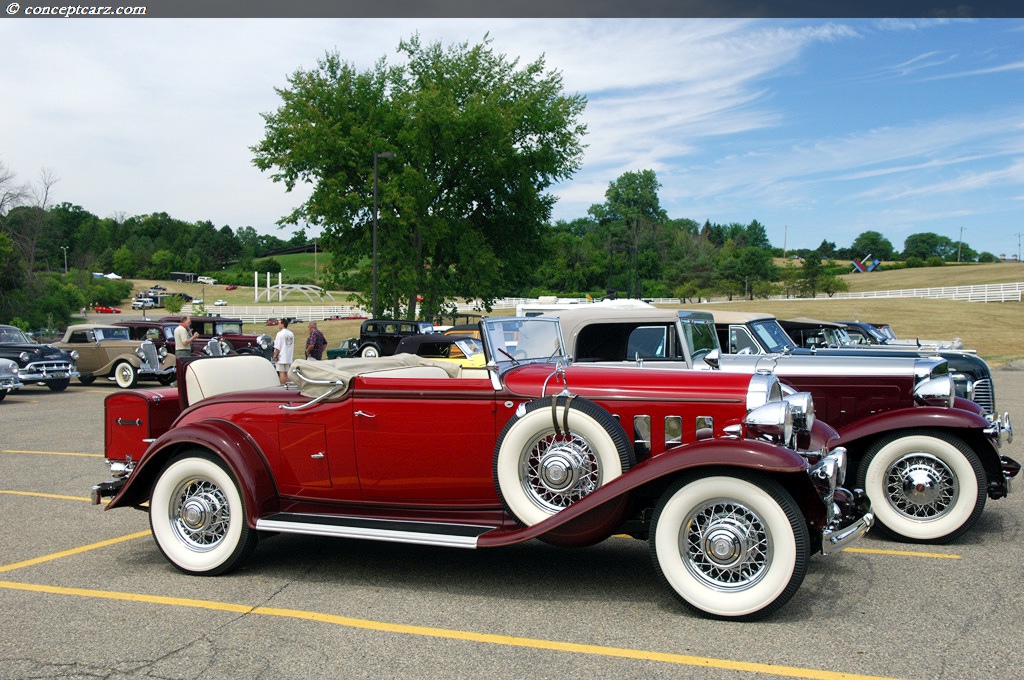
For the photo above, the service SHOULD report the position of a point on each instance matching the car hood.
(10, 351)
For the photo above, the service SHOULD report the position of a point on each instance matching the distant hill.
(928, 277)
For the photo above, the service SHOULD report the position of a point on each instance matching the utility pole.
(785, 234)
(959, 244)
(1018, 245)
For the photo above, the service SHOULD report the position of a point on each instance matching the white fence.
(992, 292)
(996, 292)
(261, 313)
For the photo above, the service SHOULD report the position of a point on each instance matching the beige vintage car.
(108, 351)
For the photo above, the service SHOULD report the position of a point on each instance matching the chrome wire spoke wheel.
(726, 545)
(558, 470)
(921, 486)
(925, 486)
(200, 514)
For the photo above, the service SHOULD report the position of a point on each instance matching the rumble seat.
(205, 378)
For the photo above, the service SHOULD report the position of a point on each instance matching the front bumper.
(9, 385)
(1000, 430)
(41, 371)
(848, 515)
(853, 520)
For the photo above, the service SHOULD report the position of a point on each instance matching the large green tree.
(478, 139)
(874, 244)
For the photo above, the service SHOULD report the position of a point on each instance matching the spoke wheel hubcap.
(726, 546)
(200, 514)
(559, 470)
(921, 485)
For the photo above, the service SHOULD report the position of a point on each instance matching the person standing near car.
(284, 350)
(182, 338)
(315, 343)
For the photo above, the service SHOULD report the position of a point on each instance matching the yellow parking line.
(904, 553)
(46, 495)
(73, 551)
(55, 453)
(467, 636)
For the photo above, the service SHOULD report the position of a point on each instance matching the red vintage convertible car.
(732, 485)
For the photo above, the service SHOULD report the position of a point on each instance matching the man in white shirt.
(284, 350)
(183, 338)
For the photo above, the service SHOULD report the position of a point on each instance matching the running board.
(393, 531)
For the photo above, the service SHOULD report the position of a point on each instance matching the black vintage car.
(37, 364)
(971, 374)
(380, 337)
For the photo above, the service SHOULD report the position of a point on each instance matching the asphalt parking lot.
(86, 594)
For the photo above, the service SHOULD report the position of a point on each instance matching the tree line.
(445, 162)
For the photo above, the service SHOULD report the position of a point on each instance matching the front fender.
(656, 472)
(223, 439)
(915, 417)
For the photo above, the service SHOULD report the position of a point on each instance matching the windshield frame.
(516, 340)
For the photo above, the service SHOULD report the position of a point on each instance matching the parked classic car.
(380, 337)
(108, 351)
(926, 459)
(463, 349)
(882, 334)
(8, 377)
(37, 364)
(229, 332)
(703, 466)
(758, 333)
(103, 309)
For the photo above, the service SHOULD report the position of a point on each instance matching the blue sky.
(819, 129)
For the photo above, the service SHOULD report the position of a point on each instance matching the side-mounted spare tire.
(555, 451)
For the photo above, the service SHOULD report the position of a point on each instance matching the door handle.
(364, 414)
(318, 455)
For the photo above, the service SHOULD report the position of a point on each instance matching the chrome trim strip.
(388, 535)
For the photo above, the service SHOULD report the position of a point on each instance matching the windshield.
(771, 336)
(227, 327)
(700, 336)
(518, 340)
(112, 334)
(13, 335)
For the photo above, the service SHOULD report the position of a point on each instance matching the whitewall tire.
(925, 487)
(730, 546)
(539, 471)
(198, 517)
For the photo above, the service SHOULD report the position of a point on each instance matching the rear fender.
(224, 440)
(645, 481)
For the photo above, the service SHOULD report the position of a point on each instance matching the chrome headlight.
(14, 371)
(74, 355)
(139, 353)
(162, 352)
(764, 387)
(936, 389)
(264, 341)
(25, 357)
(802, 406)
(773, 420)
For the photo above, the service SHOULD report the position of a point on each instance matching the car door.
(425, 440)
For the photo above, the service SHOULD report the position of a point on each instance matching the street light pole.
(382, 154)
(65, 249)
